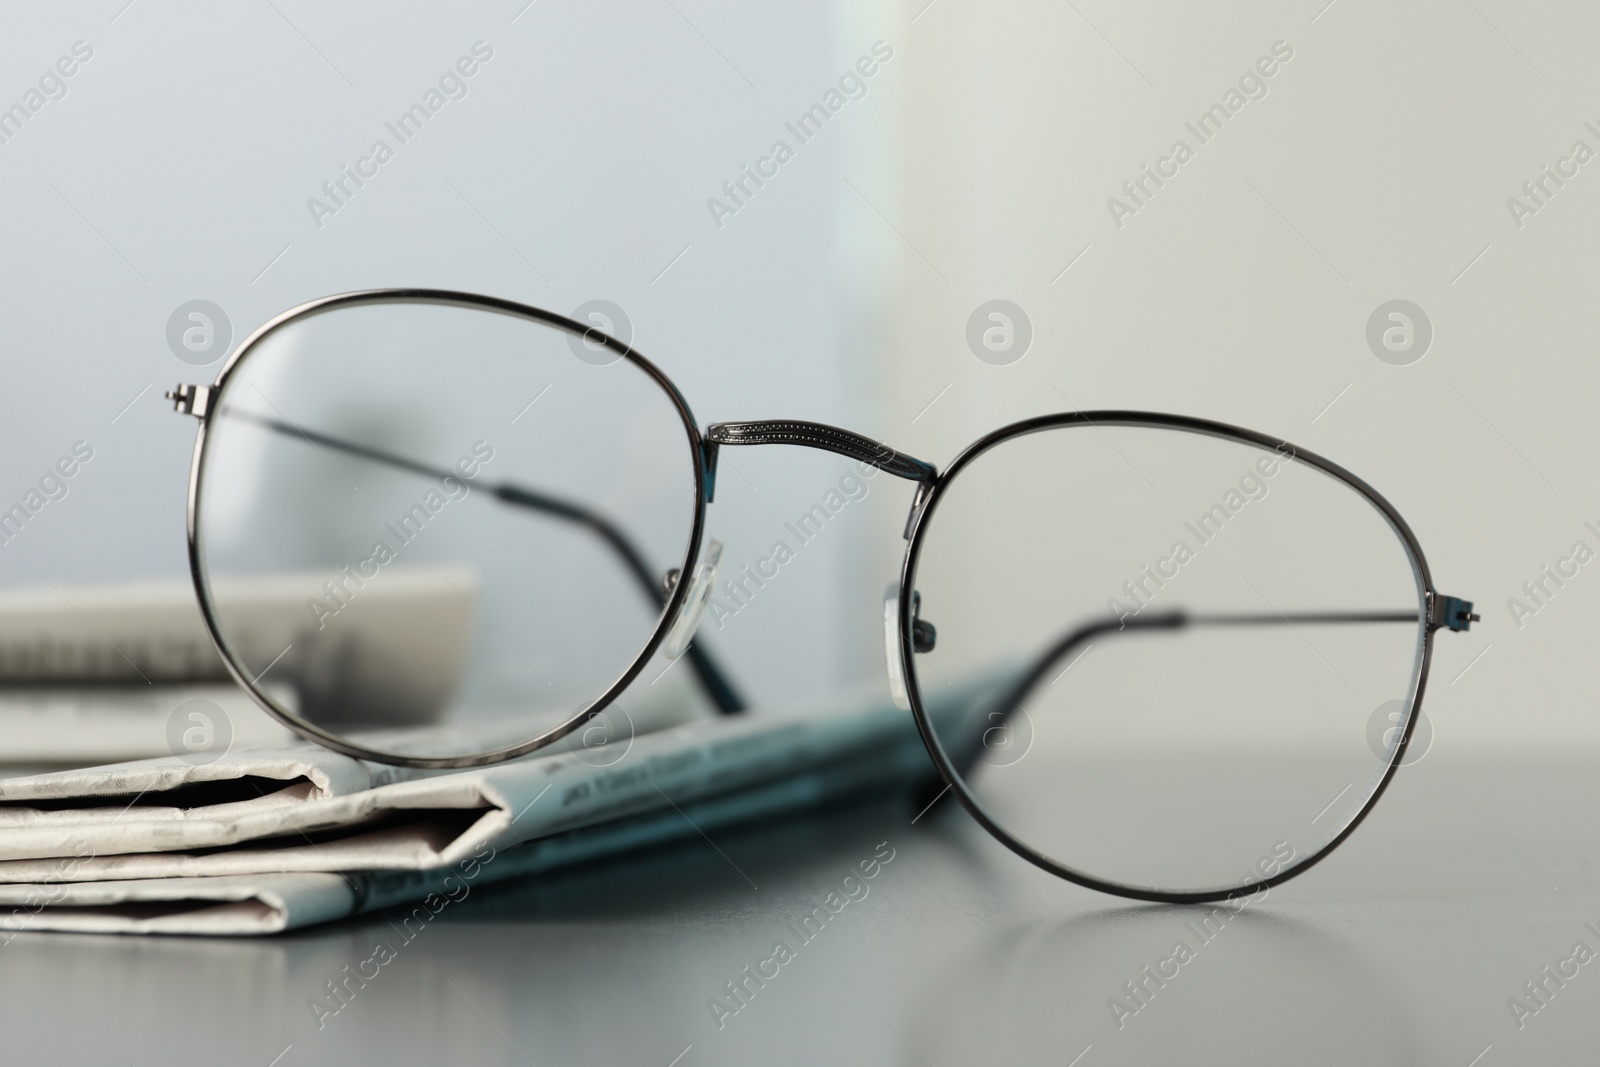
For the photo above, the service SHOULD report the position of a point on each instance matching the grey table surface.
(1407, 946)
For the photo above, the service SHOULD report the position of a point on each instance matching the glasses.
(441, 530)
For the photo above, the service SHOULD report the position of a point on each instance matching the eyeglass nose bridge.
(822, 436)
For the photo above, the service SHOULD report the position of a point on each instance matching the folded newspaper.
(270, 839)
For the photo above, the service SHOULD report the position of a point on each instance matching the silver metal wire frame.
(922, 516)
(932, 485)
(669, 611)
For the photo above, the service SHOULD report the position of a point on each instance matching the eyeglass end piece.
(191, 400)
(1452, 613)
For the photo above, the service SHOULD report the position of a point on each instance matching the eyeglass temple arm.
(713, 679)
(1447, 612)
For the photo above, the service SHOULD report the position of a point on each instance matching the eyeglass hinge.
(1450, 612)
(191, 400)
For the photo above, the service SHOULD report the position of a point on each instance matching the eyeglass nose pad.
(891, 647)
(681, 632)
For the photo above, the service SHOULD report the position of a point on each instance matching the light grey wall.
(578, 165)
(1377, 167)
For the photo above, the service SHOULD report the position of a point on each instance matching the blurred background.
(993, 154)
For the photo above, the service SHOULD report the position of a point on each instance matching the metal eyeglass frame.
(905, 634)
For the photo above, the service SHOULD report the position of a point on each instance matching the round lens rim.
(922, 512)
(497, 305)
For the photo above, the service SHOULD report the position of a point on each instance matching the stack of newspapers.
(275, 833)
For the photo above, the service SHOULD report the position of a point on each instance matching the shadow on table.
(1163, 984)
